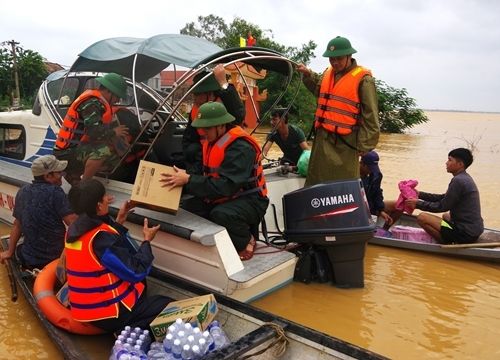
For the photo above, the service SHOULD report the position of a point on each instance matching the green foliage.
(31, 70)
(397, 111)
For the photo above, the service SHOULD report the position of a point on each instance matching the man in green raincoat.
(346, 118)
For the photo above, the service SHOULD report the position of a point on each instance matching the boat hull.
(472, 253)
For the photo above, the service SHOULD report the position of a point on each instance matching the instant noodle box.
(198, 311)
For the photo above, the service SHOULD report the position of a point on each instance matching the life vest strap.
(339, 111)
(106, 302)
(335, 123)
(96, 289)
(87, 273)
(339, 98)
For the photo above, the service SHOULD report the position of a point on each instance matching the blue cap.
(371, 159)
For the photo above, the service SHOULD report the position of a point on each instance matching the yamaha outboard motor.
(336, 217)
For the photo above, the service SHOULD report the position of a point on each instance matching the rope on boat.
(279, 343)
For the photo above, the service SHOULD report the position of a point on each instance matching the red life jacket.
(213, 156)
(72, 130)
(338, 103)
(94, 291)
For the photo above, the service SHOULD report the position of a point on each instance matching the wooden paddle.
(473, 245)
(13, 284)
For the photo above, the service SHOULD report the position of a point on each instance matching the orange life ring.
(56, 313)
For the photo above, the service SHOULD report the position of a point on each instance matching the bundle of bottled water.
(131, 344)
(188, 343)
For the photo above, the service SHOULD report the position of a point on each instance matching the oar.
(473, 245)
(13, 284)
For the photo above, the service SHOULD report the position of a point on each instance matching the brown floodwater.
(413, 306)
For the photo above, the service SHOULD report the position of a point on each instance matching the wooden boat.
(487, 247)
(251, 330)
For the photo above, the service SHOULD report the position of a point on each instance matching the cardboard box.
(199, 311)
(147, 188)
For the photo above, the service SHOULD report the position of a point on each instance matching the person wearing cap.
(290, 138)
(88, 137)
(41, 212)
(371, 176)
(213, 88)
(346, 118)
(232, 190)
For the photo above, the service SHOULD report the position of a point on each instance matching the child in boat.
(371, 176)
(462, 223)
(106, 273)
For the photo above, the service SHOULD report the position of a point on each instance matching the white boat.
(188, 246)
(190, 252)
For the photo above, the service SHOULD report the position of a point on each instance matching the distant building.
(52, 67)
(155, 82)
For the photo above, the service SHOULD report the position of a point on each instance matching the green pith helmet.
(212, 113)
(208, 85)
(339, 46)
(114, 83)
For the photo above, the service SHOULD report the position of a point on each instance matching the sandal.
(246, 254)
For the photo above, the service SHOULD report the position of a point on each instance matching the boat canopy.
(147, 57)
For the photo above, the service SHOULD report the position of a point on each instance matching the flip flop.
(248, 254)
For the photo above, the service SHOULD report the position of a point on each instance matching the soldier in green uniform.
(232, 190)
(89, 138)
(346, 118)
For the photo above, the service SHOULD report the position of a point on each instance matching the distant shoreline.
(462, 111)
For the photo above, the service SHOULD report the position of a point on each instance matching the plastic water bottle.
(137, 351)
(181, 335)
(147, 337)
(188, 328)
(209, 341)
(176, 349)
(196, 352)
(117, 350)
(197, 333)
(220, 338)
(202, 345)
(168, 342)
(186, 353)
(172, 330)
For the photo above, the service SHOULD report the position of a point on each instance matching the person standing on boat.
(87, 138)
(214, 88)
(106, 272)
(290, 138)
(41, 212)
(232, 190)
(346, 119)
(462, 223)
(371, 176)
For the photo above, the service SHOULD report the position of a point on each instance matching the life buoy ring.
(56, 313)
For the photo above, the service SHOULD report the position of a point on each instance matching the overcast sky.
(446, 53)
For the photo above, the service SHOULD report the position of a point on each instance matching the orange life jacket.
(94, 291)
(339, 108)
(72, 130)
(213, 156)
